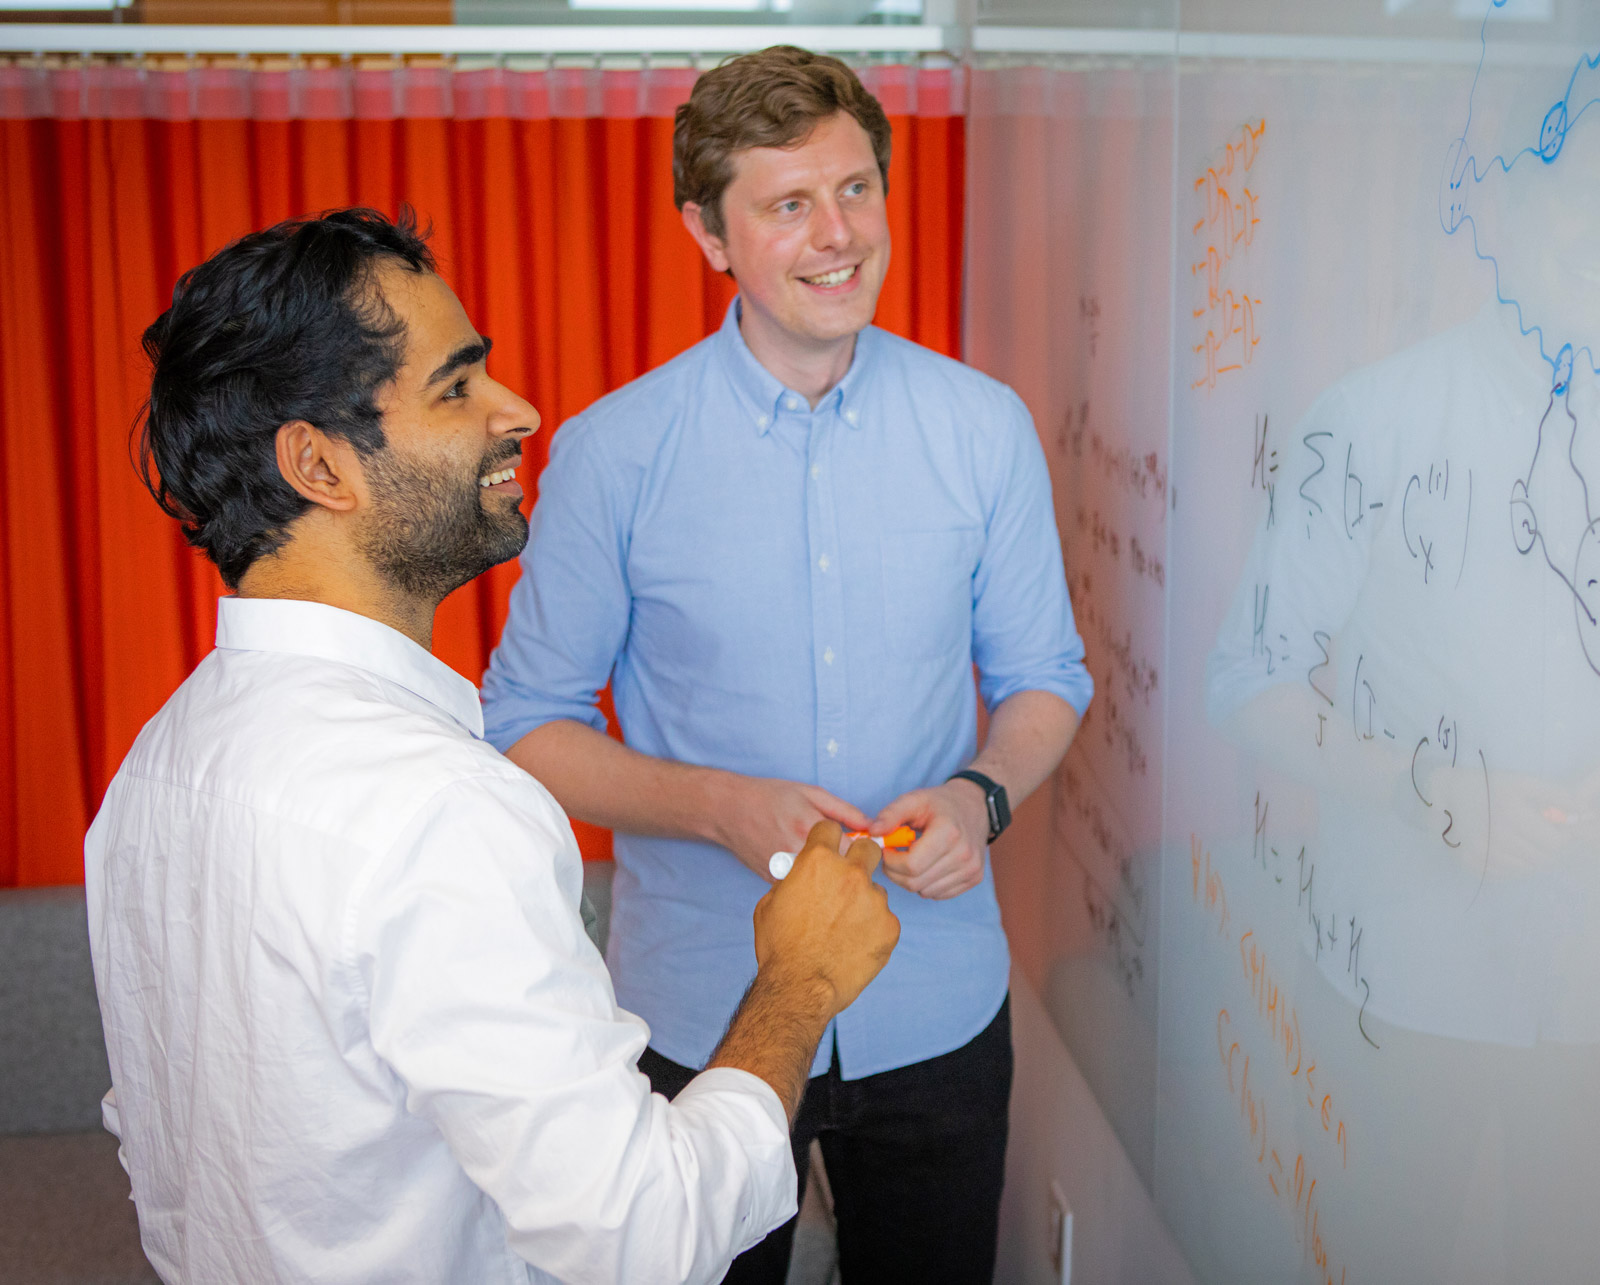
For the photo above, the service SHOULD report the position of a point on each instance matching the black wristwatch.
(994, 798)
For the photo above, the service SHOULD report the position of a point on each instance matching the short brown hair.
(773, 98)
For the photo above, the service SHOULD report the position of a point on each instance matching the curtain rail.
(139, 38)
(1111, 42)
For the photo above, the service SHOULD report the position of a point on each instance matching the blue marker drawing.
(1554, 464)
(1464, 171)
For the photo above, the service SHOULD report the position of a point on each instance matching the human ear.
(713, 247)
(322, 469)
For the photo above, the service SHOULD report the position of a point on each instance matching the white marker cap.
(783, 862)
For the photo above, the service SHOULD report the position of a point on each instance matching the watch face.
(994, 801)
(999, 812)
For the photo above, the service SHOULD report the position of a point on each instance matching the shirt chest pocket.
(927, 593)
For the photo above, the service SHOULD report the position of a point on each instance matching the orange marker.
(900, 838)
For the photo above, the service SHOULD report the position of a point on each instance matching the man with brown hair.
(787, 548)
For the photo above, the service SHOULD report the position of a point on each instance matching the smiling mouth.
(497, 477)
(835, 278)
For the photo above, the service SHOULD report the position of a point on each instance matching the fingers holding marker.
(866, 853)
(825, 834)
(901, 838)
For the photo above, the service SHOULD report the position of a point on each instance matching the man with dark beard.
(356, 1030)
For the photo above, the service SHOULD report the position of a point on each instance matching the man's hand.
(607, 783)
(821, 934)
(947, 859)
(828, 919)
(761, 816)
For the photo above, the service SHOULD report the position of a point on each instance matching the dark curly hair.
(772, 98)
(281, 325)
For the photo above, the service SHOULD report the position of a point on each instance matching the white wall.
(1058, 1132)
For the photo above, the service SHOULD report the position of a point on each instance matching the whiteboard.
(1074, 315)
(1310, 337)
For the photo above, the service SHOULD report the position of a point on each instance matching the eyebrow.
(466, 355)
(865, 173)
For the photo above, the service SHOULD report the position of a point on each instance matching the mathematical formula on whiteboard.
(1312, 350)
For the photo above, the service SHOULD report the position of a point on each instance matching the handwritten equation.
(1427, 520)
(1106, 722)
(1291, 1179)
(1449, 778)
(1099, 535)
(1331, 930)
(1069, 435)
(1136, 473)
(1129, 471)
(1264, 469)
(1337, 498)
(1125, 697)
(1114, 893)
(1089, 319)
(1227, 314)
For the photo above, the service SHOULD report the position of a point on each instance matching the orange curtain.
(550, 196)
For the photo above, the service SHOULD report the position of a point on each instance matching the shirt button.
(763, 421)
(852, 415)
(793, 403)
(823, 562)
(816, 471)
(827, 656)
(833, 748)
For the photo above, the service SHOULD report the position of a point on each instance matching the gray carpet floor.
(65, 1217)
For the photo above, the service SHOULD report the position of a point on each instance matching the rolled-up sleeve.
(1024, 637)
(493, 1009)
(568, 614)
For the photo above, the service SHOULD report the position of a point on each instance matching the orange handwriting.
(1227, 227)
(1272, 1004)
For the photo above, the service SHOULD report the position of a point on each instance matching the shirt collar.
(763, 394)
(299, 628)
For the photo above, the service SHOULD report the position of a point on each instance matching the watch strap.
(994, 798)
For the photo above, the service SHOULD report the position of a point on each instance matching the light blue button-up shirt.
(795, 593)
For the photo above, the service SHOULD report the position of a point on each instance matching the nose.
(830, 230)
(515, 416)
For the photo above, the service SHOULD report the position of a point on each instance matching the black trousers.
(915, 1157)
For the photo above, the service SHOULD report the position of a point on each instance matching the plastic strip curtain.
(550, 197)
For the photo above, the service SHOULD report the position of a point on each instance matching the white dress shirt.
(356, 1030)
